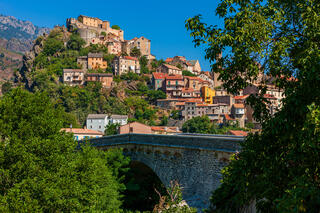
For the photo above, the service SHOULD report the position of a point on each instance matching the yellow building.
(95, 61)
(207, 94)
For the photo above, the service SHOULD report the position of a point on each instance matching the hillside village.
(189, 91)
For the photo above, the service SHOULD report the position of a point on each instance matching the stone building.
(73, 77)
(206, 76)
(95, 61)
(173, 86)
(158, 79)
(125, 64)
(169, 69)
(142, 43)
(106, 79)
(192, 66)
(82, 62)
(91, 29)
(114, 46)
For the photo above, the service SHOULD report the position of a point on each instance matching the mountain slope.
(17, 35)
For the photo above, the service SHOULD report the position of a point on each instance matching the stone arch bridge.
(195, 161)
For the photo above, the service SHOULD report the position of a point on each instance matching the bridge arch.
(194, 161)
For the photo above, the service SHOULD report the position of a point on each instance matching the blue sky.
(160, 21)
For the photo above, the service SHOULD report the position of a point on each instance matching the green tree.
(53, 45)
(75, 42)
(278, 168)
(42, 171)
(135, 52)
(164, 121)
(154, 95)
(198, 125)
(187, 73)
(112, 129)
(115, 27)
(6, 87)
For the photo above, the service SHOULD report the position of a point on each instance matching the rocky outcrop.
(24, 74)
(19, 34)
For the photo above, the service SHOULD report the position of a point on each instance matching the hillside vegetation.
(42, 71)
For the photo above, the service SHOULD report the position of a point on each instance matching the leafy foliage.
(279, 168)
(40, 167)
(112, 129)
(75, 42)
(115, 27)
(187, 73)
(135, 52)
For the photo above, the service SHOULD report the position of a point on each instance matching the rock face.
(24, 74)
(19, 34)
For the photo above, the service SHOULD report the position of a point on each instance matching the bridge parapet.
(223, 143)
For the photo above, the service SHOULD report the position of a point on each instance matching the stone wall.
(194, 161)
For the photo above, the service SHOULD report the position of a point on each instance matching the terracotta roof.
(171, 67)
(130, 58)
(238, 132)
(174, 77)
(168, 60)
(159, 75)
(187, 90)
(82, 131)
(202, 105)
(239, 106)
(193, 78)
(228, 117)
(241, 97)
(180, 104)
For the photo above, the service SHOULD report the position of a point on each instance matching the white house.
(120, 119)
(97, 122)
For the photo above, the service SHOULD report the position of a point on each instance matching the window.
(131, 129)
(99, 127)
(90, 127)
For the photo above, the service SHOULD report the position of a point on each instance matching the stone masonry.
(195, 161)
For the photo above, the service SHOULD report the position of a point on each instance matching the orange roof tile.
(202, 105)
(171, 67)
(130, 58)
(241, 97)
(239, 106)
(159, 75)
(168, 60)
(180, 104)
(82, 131)
(174, 77)
(228, 117)
(238, 132)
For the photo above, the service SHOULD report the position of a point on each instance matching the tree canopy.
(41, 169)
(279, 168)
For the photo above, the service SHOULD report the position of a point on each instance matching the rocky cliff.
(18, 35)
